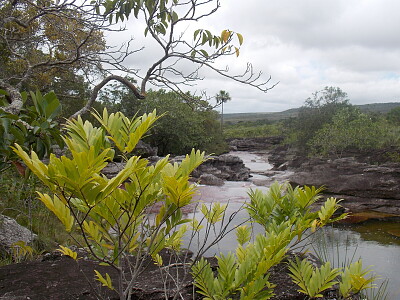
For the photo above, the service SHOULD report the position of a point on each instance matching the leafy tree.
(36, 40)
(222, 97)
(201, 49)
(187, 122)
(327, 96)
(182, 126)
(317, 111)
(44, 42)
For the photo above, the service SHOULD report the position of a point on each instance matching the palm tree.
(221, 98)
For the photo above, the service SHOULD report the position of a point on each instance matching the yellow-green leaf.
(240, 38)
(225, 35)
(237, 51)
(104, 281)
(68, 252)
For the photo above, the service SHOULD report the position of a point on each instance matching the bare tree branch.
(67, 34)
(98, 87)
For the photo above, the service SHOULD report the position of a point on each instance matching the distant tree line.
(329, 125)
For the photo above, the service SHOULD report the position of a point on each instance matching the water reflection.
(340, 245)
(376, 249)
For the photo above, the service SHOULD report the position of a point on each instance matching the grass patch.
(18, 200)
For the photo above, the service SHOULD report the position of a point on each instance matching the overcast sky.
(305, 45)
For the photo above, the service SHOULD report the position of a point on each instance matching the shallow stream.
(369, 240)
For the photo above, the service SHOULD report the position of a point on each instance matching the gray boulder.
(11, 232)
(226, 167)
(210, 179)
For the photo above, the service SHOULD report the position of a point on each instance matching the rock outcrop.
(252, 144)
(11, 232)
(346, 176)
(210, 179)
(61, 278)
(226, 167)
(363, 186)
(223, 167)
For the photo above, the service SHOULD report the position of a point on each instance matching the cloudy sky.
(304, 45)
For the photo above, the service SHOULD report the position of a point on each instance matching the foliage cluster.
(187, 122)
(328, 125)
(111, 214)
(353, 130)
(317, 111)
(45, 42)
(287, 218)
(35, 128)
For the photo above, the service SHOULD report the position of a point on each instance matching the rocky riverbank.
(366, 181)
(214, 171)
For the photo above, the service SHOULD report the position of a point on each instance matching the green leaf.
(196, 33)
(175, 18)
(204, 52)
(204, 39)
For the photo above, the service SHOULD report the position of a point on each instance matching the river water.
(369, 241)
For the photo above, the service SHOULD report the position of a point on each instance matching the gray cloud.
(305, 45)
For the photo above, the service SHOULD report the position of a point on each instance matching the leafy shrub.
(285, 214)
(252, 130)
(111, 214)
(317, 111)
(353, 131)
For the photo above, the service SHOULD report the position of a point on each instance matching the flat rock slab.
(61, 278)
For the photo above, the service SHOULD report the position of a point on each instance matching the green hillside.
(276, 116)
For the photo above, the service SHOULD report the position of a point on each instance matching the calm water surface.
(369, 241)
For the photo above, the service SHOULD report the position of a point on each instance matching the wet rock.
(226, 167)
(11, 232)
(359, 217)
(210, 179)
(363, 186)
(251, 144)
